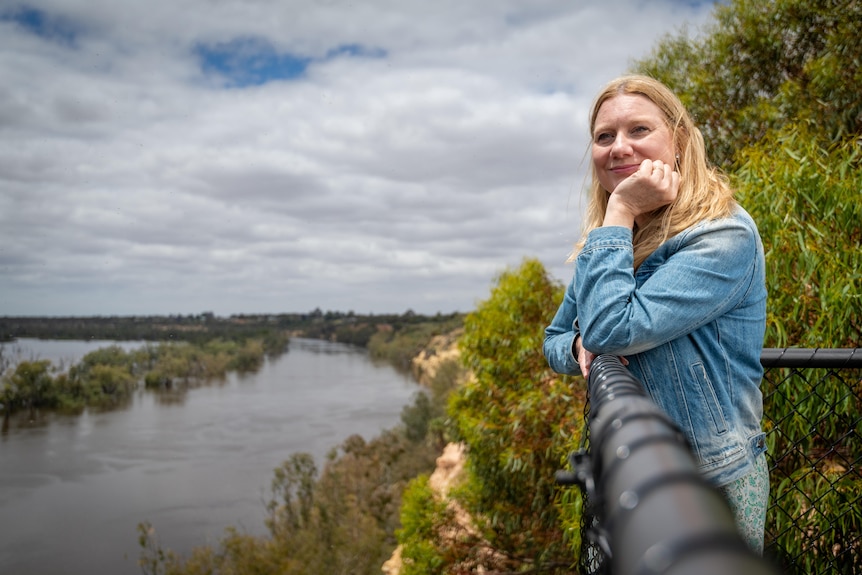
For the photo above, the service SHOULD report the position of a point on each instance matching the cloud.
(242, 157)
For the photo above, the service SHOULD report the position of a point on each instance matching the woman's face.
(628, 129)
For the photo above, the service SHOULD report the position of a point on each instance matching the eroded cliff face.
(449, 471)
(441, 349)
(450, 464)
(392, 566)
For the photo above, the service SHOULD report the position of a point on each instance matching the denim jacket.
(690, 321)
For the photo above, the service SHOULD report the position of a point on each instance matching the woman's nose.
(621, 146)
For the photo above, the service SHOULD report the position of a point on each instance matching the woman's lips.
(626, 169)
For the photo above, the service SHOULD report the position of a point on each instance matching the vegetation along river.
(73, 489)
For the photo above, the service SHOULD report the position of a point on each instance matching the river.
(73, 489)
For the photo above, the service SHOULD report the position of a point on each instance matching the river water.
(73, 489)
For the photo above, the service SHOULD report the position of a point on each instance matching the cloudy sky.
(255, 156)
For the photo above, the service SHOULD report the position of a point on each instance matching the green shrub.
(422, 516)
(806, 196)
(519, 421)
(29, 386)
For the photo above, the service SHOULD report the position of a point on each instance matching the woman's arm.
(695, 277)
(561, 335)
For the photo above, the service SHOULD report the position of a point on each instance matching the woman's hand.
(654, 185)
(586, 357)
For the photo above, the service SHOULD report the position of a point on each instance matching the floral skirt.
(748, 497)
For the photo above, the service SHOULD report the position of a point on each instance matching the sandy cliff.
(450, 464)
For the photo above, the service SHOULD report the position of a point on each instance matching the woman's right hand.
(654, 185)
(586, 357)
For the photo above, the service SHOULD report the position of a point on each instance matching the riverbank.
(73, 489)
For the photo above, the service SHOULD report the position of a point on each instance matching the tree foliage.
(29, 386)
(422, 514)
(806, 196)
(517, 419)
(761, 64)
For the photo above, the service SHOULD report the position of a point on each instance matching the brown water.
(74, 488)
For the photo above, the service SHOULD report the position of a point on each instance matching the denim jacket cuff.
(609, 237)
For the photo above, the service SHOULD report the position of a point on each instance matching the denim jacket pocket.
(708, 397)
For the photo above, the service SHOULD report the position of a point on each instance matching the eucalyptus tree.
(774, 86)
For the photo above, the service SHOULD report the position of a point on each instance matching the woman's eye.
(604, 138)
(640, 130)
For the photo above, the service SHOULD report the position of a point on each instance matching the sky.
(279, 156)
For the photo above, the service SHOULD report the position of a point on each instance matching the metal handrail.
(796, 357)
(654, 511)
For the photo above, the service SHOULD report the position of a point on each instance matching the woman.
(670, 276)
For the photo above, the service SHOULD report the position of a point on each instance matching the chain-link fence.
(812, 415)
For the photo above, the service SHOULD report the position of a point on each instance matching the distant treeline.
(343, 327)
(184, 351)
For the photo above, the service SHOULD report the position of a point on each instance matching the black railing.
(812, 415)
(651, 510)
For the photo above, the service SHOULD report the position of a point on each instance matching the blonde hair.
(704, 192)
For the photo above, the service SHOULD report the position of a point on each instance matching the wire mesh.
(812, 416)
